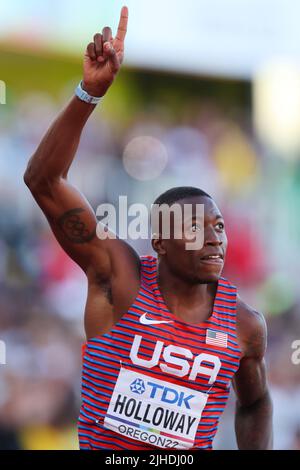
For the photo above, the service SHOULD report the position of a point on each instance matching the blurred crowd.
(43, 292)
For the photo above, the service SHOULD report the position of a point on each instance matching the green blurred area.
(134, 90)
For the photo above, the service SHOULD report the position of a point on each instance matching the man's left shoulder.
(251, 329)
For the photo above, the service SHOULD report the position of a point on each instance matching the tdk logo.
(137, 386)
(170, 395)
(164, 394)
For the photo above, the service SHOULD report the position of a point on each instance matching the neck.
(191, 301)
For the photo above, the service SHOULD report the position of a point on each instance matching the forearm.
(253, 425)
(58, 147)
(53, 157)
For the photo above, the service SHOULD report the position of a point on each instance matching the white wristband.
(84, 96)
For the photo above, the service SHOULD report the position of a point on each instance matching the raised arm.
(69, 214)
(111, 265)
(253, 419)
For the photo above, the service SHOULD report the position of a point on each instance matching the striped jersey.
(155, 381)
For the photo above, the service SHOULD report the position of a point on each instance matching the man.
(164, 338)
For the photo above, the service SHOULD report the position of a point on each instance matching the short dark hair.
(173, 195)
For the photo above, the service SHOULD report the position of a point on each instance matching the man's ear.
(158, 245)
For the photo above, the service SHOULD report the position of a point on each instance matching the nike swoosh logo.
(146, 321)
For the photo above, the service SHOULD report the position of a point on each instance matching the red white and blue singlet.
(155, 381)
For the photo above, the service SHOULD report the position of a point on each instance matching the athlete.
(166, 335)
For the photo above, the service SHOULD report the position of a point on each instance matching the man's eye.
(196, 227)
(220, 226)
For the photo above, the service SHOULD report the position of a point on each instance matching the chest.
(179, 354)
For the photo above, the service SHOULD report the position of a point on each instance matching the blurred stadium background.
(216, 86)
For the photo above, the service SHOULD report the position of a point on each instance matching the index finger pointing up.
(122, 28)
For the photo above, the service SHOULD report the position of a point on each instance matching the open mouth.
(212, 259)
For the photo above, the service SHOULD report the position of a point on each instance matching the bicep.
(73, 223)
(250, 381)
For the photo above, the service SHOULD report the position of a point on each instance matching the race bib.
(154, 411)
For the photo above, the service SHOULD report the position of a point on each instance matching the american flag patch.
(216, 338)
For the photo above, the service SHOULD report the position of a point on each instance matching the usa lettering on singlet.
(155, 381)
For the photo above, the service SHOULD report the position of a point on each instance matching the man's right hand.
(103, 58)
